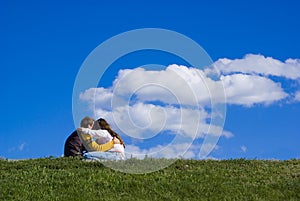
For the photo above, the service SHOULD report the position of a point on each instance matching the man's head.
(87, 122)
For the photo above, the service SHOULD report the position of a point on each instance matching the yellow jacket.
(90, 145)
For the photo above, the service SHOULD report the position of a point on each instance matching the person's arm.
(91, 145)
(93, 133)
(103, 147)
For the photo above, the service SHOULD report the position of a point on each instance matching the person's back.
(73, 145)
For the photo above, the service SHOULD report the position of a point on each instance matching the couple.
(97, 138)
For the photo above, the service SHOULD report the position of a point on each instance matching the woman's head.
(103, 124)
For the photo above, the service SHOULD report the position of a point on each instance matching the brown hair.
(105, 126)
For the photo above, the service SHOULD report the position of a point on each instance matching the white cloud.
(260, 65)
(297, 96)
(243, 148)
(247, 90)
(174, 85)
(21, 147)
(250, 80)
(190, 86)
(98, 96)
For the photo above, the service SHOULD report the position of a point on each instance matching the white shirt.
(97, 133)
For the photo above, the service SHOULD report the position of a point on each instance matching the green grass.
(74, 179)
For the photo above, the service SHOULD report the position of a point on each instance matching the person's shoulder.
(74, 133)
(104, 132)
(72, 137)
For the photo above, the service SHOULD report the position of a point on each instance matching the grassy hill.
(74, 179)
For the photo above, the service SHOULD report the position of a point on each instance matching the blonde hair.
(86, 121)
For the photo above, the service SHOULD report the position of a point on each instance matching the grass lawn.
(73, 179)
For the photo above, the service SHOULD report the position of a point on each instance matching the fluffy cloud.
(249, 80)
(20, 147)
(247, 90)
(260, 65)
(98, 97)
(174, 85)
(297, 96)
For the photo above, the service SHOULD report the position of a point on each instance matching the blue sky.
(43, 45)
